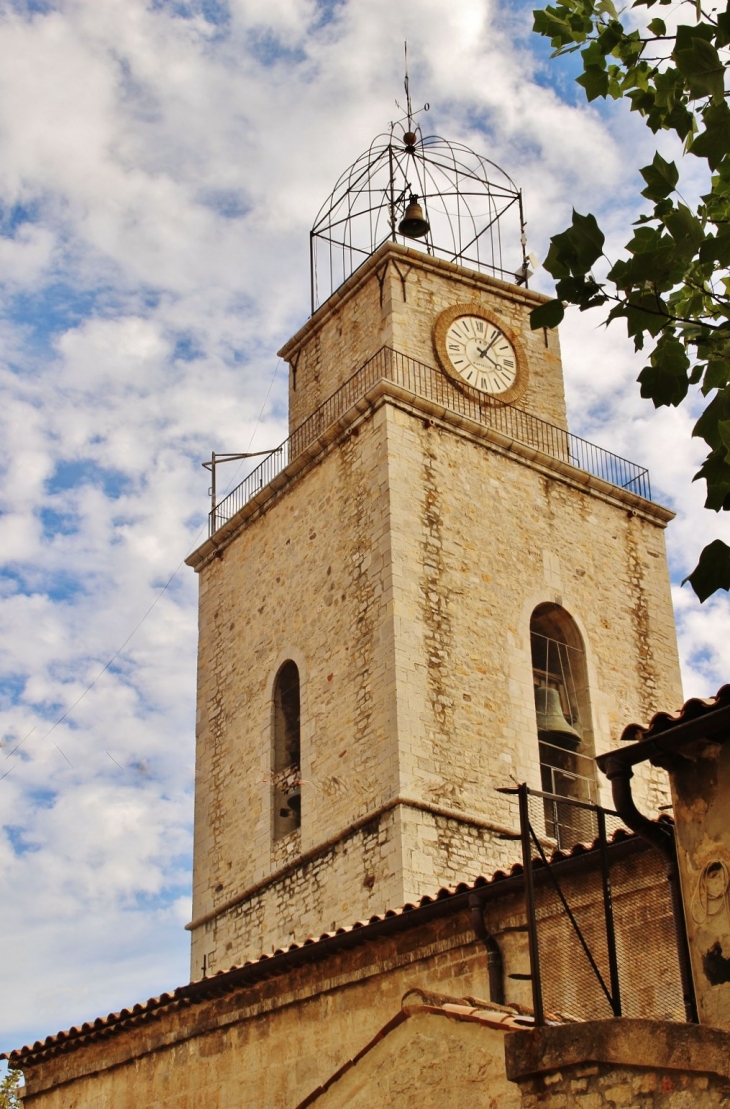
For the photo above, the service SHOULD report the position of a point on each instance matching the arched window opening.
(562, 709)
(286, 751)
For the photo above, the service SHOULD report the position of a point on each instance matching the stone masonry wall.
(306, 580)
(400, 574)
(309, 897)
(478, 541)
(611, 1087)
(620, 1064)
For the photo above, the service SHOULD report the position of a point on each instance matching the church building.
(430, 593)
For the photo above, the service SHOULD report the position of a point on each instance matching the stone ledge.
(623, 1042)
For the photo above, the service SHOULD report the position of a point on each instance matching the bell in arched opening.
(551, 723)
(414, 224)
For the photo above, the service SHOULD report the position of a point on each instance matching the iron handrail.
(428, 382)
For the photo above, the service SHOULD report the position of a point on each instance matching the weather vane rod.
(409, 104)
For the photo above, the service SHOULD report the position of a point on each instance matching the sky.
(162, 163)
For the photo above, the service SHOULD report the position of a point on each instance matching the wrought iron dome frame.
(473, 208)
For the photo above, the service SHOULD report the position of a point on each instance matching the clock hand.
(489, 345)
(485, 354)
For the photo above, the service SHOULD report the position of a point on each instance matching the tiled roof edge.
(225, 981)
(661, 722)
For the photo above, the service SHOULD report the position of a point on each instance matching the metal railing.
(562, 782)
(428, 382)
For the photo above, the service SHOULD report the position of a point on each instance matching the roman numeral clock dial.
(472, 349)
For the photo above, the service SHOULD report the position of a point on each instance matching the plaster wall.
(430, 1061)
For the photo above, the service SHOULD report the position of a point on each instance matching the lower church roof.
(312, 949)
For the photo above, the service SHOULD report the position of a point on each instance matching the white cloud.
(160, 173)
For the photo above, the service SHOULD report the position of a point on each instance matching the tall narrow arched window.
(562, 708)
(286, 751)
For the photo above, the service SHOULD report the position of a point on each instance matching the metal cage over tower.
(455, 203)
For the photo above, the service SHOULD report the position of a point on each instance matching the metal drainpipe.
(495, 966)
(660, 836)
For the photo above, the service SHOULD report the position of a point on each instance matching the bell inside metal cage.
(551, 722)
(414, 225)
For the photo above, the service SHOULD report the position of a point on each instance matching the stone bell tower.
(430, 591)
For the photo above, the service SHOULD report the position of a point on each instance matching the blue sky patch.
(267, 49)
(84, 471)
(16, 834)
(58, 523)
(228, 203)
(187, 348)
(11, 689)
(42, 798)
(13, 216)
(216, 12)
(33, 7)
(327, 10)
(50, 311)
(57, 585)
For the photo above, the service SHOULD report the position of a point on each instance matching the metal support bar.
(216, 459)
(569, 912)
(522, 796)
(608, 913)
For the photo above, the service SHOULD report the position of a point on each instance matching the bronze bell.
(551, 723)
(414, 225)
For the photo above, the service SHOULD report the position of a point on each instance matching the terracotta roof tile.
(251, 970)
(661, 722)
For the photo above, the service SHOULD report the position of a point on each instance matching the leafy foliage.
(673, 288)
(9, 1090)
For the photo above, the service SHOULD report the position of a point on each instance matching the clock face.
(481, 354)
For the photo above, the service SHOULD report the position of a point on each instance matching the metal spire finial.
(409, 106)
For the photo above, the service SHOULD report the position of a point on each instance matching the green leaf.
(717, 375)
(712, 572)
(716, 248)
(658, 27)
(643, 312)
(706, 427)
(610, 37)
(685, 229)
(594, 80)
(665, 380)
(714, 142)
(661, 178)
(547, 315)
(716, 472)
(580, 290)
(574, 251)
(700, 64)
(723, 28)
(723, 427)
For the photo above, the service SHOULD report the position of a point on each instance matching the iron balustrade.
(429, 383)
